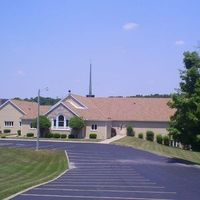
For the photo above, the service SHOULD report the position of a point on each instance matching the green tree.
(130, 131)
(185, 124)
(45, 124)
(76, 123)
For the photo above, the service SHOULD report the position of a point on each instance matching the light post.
(38, 120)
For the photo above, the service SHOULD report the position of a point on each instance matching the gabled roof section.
(9, 101)
(63, 104)
(74, 102)
(27, 108)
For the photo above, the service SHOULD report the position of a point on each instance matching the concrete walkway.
(108, 141)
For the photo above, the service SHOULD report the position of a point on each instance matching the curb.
(32, 187)
(44, 140)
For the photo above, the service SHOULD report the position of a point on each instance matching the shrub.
(166, 140)
(3, 136)
(71, 136)
(130, 131)
(49, 135)
(63, 136)
(29, 134)
(113, 132)
(6, 131)
(140, 135)
(19, 132)
(150, 135)
(56, 135)
(159, 139)
(93, 136)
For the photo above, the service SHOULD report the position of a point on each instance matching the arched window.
(61, 121)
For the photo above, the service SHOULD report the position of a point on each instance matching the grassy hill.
(23, 168)
(159, 149)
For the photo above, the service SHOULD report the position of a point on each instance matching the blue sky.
(135, 46)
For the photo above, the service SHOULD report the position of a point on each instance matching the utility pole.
(38, 122)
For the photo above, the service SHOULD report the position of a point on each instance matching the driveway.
(100, 171)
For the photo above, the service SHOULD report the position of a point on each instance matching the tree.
(185, 124)
(76, 123)
(130, 131)
(45, 124)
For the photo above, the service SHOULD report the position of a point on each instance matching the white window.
(8, 123)
(31, 125)
(54, 122)
(61, 120)
(94, 127)
(67, 123)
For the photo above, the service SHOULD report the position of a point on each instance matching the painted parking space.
(112, 172)
(97, 175)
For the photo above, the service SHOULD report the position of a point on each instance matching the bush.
(71, 136)
(93, 136)
(29, 134)
(3, 136)
(19, 132)
(49, 135)
(159, 139)
(150, 135)
(63, 136)
(113, 132)
(6, 131)
(56, 135)
(166, 140)
(140, 135)
(130, 131)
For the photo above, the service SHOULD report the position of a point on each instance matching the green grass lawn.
(22, 168)
(159, 149)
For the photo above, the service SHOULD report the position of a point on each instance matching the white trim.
(78, 101)
(60, 129)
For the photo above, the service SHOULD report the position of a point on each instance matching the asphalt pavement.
(101, 171)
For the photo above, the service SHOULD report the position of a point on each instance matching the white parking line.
(107, 186)
(117, 191)
(103, 179)
(5, 144)
(106, 182)
(103, 175)
(91, 197)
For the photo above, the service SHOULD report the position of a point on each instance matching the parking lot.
(99, 171)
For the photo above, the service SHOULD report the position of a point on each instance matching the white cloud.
(179, 42)
(130, 26)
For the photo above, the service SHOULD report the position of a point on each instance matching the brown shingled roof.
(125, 109)
(30, 108)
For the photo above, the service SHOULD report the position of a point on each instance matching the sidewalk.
(108, 141)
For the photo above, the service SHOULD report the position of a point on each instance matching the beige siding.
(27, 129)
(141, 127)
(101, 129)
(10, 113)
